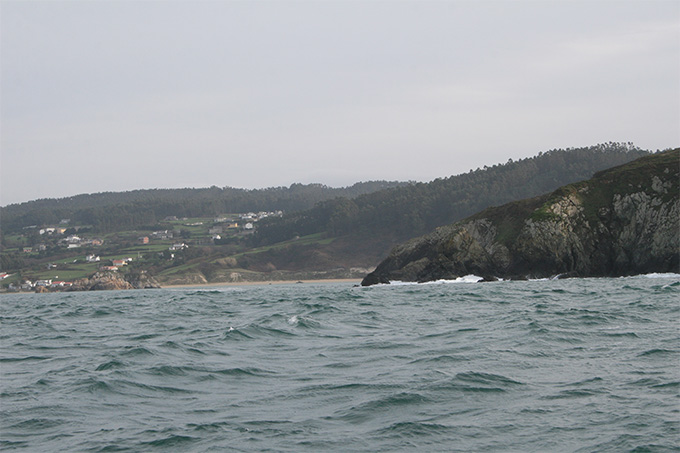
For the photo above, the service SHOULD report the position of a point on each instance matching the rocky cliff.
(114, 281)
(623, 221)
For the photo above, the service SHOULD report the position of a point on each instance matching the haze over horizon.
(117, 96)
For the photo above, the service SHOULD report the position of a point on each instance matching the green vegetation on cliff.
(405, 212)
(625, 220)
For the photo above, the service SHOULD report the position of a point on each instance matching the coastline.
(356, 281)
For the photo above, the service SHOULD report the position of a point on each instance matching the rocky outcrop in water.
(624, 221)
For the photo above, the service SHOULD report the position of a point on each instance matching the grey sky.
(121, 95)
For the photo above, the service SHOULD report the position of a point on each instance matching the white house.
(92, 258)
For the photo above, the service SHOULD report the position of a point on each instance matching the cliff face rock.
(101, 281)
(115, 281)
(141, 280)
(624, 221)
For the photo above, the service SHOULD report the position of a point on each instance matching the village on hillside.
(52, 257)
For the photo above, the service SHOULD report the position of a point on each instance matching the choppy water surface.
(569, 365)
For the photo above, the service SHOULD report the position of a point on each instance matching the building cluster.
(28, 285)
(222, 224)
(248, 217)
(92, 258)
(52, 230)
(162, 234)
(74, 242)
(260, 215)
(71, 241)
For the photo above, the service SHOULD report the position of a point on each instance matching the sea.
(575, 365)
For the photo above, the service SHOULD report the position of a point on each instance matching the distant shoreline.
(263, 283)
(356, 281)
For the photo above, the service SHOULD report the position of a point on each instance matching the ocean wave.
(486, 378)
(136, 351)
(245, 371)
(173, 441)
(471, 278)
(255, 331)
(440, 359)
(656, 352)
(303, 321)
(656, 275)
(236, 334)
(575, 393)
(111, 364)
(130, 386)
(414, 429)
(169, 370)
(372, 408)
(22, 359)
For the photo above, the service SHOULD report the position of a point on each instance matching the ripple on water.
(582, 364)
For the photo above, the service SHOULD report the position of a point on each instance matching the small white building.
(92, 258)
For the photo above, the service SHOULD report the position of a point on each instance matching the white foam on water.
(658, 275)
(470, 278)
(465, 279)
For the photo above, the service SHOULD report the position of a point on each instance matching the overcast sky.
(120, 95)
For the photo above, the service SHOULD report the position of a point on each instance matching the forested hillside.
(404, 212)
(113, 211)
(623, 221)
